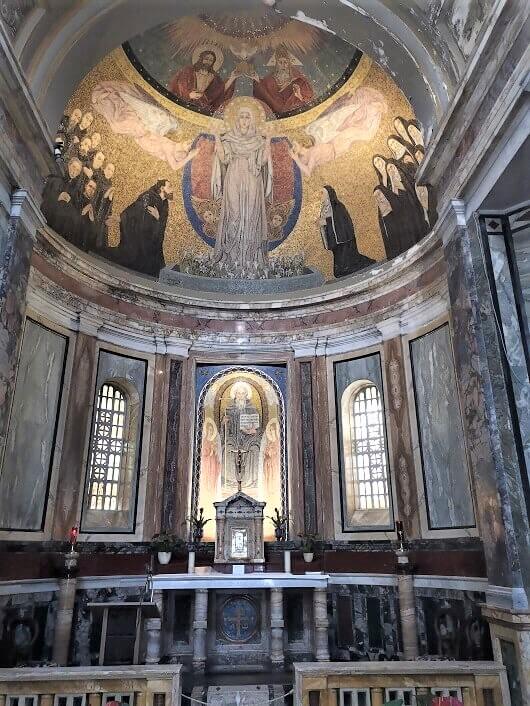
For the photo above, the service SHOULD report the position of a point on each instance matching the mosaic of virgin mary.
(242, 191)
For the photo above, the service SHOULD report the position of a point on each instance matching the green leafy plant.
(165, 542)
(308, 541)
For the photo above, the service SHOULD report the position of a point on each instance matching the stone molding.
(490, 87)
(104, 277)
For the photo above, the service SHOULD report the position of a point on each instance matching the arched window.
(108, 450)
(366, 491)
(112, 472)
(368, 449)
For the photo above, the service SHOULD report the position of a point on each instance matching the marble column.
(169, 488)
(496, 458)
(320, 616)
(63, 621)
(497, 468)
(376, 696)
(153, 641)
(200, 626)
(510, 638)
(407, 607)
(277, 628)
(16, 248)
(308, 447)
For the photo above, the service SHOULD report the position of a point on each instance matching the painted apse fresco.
(240, 148)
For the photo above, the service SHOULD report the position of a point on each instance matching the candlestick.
(74, 533)
(400, 534)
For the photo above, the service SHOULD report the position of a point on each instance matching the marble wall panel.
(496, 232)
(366, 368)
(374, 615)
(36, 612)
(130, 374)
(445, 471)
(450, 624)
(26, 468)
(14, 276)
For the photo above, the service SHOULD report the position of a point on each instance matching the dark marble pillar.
(502, 515)
(308, 446)
(402, 461)
(169, 487)
(157, 446)
(16, 251)
(73, 459)
(323, 418)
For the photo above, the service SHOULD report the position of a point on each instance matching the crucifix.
(240, 466)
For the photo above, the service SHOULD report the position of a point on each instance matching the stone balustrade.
(91, 686)
(417, 683)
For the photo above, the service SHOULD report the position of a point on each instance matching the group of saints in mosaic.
(229, 155)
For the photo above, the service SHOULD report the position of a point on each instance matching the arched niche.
(240, 407)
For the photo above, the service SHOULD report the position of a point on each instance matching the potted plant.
(163, 544)
(280, 524)
(308, 545)
(197, 523)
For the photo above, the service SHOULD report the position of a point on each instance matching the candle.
(74, 533)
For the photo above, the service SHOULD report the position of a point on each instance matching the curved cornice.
(86, 294)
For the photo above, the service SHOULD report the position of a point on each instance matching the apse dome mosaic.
(245, 153)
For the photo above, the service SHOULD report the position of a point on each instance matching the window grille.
(22, 700)
(407, 696)
(368, 451)
(455, 692)
(354, 697)
(69, 700)
(108, 451)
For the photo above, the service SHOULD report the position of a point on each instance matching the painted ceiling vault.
(245, 152)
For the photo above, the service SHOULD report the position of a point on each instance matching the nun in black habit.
(338, 235)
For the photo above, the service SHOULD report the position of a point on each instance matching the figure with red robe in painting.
(210, 462)
(271, 459)
(284, 89)
(200, 84)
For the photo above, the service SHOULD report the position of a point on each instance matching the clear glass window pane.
(368, 450)
(108, 452)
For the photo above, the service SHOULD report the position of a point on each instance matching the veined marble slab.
(25, 473)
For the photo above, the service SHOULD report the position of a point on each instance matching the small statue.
(338, 235)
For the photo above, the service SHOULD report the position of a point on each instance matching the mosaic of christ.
(243, 147)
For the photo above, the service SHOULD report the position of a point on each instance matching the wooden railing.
(416, 683)
(91, 686)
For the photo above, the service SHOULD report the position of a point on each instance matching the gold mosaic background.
(352, 175)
